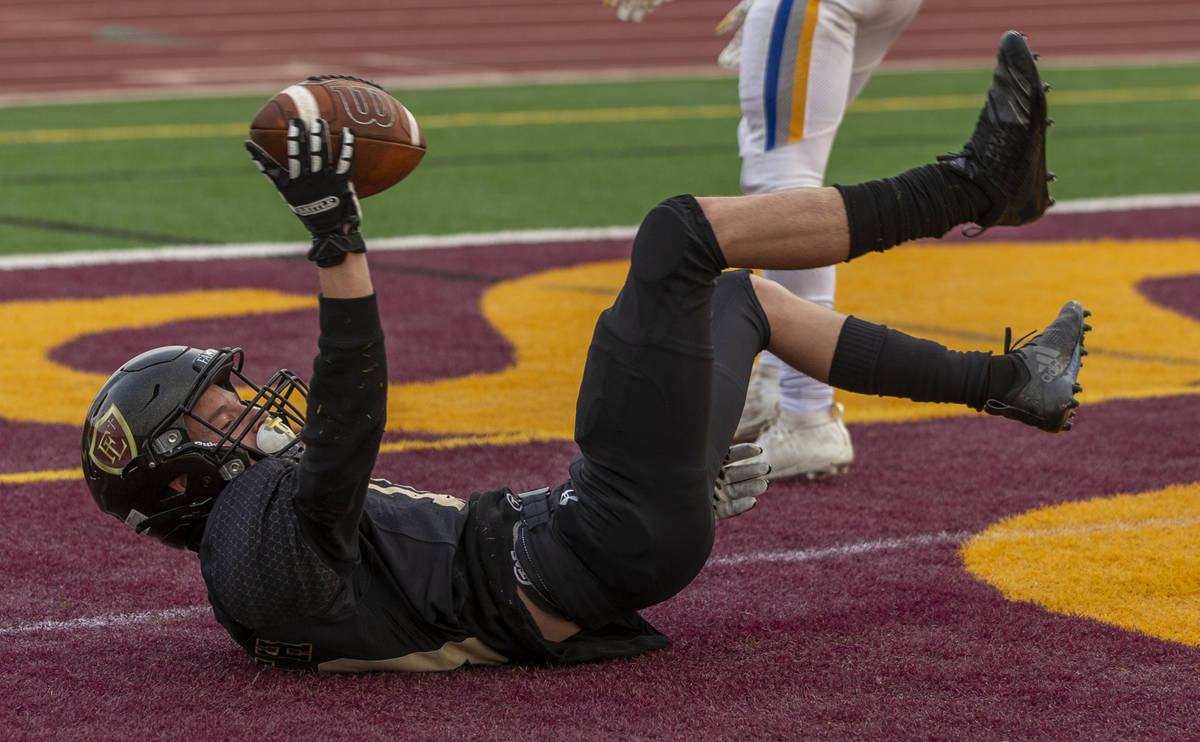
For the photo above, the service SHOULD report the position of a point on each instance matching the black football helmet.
(136, 444)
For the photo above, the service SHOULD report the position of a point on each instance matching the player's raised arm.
(348, 392)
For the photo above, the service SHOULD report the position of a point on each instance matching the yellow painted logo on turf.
(964, 297)
(1128, 560)
(37, 388)
(960, 296)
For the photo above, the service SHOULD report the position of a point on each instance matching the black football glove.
(317, 189)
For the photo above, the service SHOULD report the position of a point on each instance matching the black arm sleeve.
(347, 406)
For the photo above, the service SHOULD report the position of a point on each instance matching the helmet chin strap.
(200, 508)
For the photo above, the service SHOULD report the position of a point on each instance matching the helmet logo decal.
(112, 445)
(203, 360)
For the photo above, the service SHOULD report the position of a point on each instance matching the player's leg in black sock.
(873, 359)
(927, 201)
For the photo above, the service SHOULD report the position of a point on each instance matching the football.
(388, 142)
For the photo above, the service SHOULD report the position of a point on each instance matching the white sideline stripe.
(938, 538)
(954, 537)
(127, 619)
(107, 620)
(280, 249)
(865, 547)
(1126, 203)
(470, 239)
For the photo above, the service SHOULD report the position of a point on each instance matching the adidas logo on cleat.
(1045, 396)
(1049, 364)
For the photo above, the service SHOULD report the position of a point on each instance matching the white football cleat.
(814, 446)
(762, 402)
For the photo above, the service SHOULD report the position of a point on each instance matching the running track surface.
(74, 48)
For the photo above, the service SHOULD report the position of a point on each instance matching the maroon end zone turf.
(833, 644)
(835, 610)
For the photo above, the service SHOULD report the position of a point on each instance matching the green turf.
(88, 195)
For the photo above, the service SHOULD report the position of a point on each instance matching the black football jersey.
(317, 565)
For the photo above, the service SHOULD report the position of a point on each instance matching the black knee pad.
(676, 236)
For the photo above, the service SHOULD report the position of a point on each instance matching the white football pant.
(803, 63)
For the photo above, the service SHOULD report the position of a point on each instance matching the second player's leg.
(803, 68)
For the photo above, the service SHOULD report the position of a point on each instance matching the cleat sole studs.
(832, 471)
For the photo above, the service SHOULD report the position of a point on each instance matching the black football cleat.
(1044, 393)
(1006, 155)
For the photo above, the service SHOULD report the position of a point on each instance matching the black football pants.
(661, 396)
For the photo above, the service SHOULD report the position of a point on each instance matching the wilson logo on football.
(366, 106)
(316, 207)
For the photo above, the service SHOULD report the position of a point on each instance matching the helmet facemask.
(267, 424)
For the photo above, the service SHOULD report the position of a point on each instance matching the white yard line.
(282, 249)
(116, 620)
(899, 543)
(108, 620)
(1126, 203)
(470, 239)
(843, 550)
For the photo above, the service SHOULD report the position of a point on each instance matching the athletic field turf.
(110, 175)
(969, 577)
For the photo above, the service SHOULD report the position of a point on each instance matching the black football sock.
(1003, 374)
(873, 359)
(927, 201)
